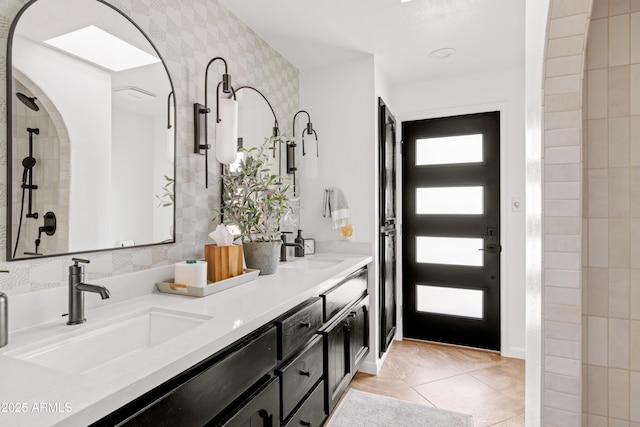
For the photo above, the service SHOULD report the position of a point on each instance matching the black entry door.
(451, 231)
(387, 214)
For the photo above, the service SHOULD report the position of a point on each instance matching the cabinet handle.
(305, 324)
(305, 423)
(305, 373)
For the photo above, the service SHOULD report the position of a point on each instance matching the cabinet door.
(337, 361)
(358, 319)
(260, 410)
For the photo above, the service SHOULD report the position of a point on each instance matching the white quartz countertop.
(35, 395)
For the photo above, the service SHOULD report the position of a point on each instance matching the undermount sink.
(97, 346)
(312, 263)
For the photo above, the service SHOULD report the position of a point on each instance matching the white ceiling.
(487, 34)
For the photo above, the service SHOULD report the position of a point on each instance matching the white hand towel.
(336, 206)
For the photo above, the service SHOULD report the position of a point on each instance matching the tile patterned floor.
(479, 383)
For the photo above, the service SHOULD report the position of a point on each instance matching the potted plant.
(255, 202)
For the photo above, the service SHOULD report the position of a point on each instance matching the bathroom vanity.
(279, 350)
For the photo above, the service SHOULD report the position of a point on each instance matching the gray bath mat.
(358, 408)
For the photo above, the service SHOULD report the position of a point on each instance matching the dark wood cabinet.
(262, 409)
(346, 337)
(290, 372)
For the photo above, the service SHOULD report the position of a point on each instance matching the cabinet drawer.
(344, 294)
(260, 409)
(204, 396)
(298, 327)
(311, 413)
(299, 375)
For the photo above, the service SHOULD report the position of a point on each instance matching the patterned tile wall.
(187, 33)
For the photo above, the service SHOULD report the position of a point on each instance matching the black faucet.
(77, 288)
(283, 248)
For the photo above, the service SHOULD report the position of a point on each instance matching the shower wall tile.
(619, 243)
(598, 143)
(619, 40)
(598, 390)
(619, 394)
(634, 296)
(619, 293)
(634, 346)
(598, 180)
(618, 343)
(598, 242)
(634, 83)
(634, 396)
(598, 51)
(634, 137)
(565, 46)
(619, 192)
(618, 91)
(618, 141)
(598, 292)
(635, 37)
(597, 87)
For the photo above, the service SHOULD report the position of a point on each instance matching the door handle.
(492, 248)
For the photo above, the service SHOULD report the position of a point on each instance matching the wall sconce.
(291, 146)
(226, 122)
(309, 160)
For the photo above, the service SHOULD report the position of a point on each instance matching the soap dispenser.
(299, 242)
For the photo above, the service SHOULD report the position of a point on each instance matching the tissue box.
(223, 261)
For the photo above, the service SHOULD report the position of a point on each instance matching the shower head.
(28, 101)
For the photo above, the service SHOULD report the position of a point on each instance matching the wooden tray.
(212, 287)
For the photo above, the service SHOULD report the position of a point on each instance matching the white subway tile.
(567, 296)
(598, 143)
(618, 40)
(563, 313)
(566, 172)
(563, 225)
(619, 343)
(634, 296)
(598, 341)
(563, 366)
(568, 26)
(561, 102)
(634, 137)
(563, 331)
(566, 46)
(564, 66)
(562, 119)
(562, 260)
(619, 192)
(634, 396)
(562, 190)
(635, 37)
(618, 91)
(562, 401)
(560, 418)
(564, 278)
(634, 345)
(619, 293)
(617, 7)
(562, 207)
(598, 242)
(598, 292)
(635, 243)
(597, 88)
(562, 384)
(634, 88)
(569, 7)
(619, 243)
(562, 84)
(598, 390)
(560, 243)
(562, 348)
(598, 44)
(619, 141)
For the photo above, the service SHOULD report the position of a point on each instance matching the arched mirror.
(91, 132)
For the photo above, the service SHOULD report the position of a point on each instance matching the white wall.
(503, 91)
(342, 102)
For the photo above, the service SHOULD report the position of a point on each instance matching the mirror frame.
(9, 103)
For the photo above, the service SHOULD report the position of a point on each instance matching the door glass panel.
(449, 150)
(451, 301)
(450, 250)
(450, 200)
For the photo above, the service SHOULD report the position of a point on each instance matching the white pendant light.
(227, 131)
